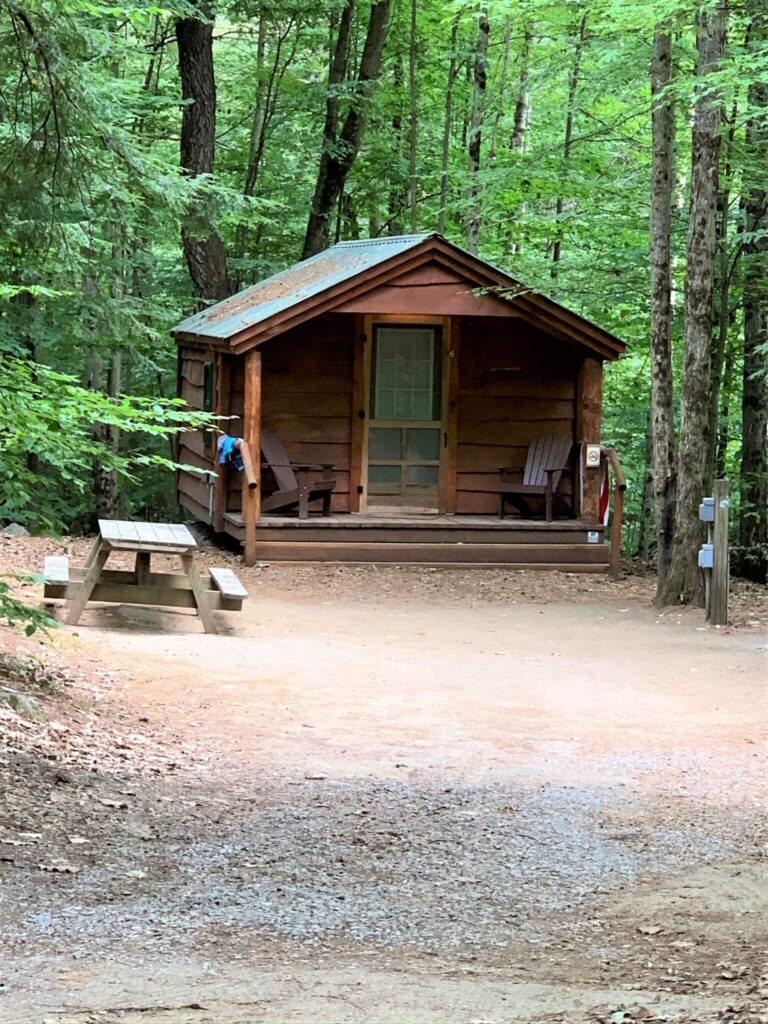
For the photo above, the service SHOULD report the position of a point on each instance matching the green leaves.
(48, 446)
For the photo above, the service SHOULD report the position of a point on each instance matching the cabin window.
(406, 381)
(208, 399)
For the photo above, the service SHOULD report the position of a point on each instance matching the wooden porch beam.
(221, 407)
(589, 414)
(357, 496)
(449, 442)
(252, 437)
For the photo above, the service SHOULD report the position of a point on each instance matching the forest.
(611, 154)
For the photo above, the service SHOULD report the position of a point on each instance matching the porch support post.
(252, 437)
(589, 410)
(357, 496)
(221, 407)
(448, 469)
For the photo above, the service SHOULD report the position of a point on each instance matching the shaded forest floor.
(389, 795)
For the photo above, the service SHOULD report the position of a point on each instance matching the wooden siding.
(514, 385)
(306, 400)
(427, 290)
(192, 490)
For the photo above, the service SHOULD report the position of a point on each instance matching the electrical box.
(706, 559)
(592, 456)
(707, 510)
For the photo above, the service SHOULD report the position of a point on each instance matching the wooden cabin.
(417, 371)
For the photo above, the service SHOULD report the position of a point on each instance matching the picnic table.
(93, 582)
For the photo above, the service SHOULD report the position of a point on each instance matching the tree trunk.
(413, 123)
(724, 416)
(447, 127)
(502, 93)
(646, 534)
(723, 293)
(573, 85)
(398, 192)
(340, 149)
(683, 581)
(662, 188)
(753, 525)
(259, 120)
(518, 141)
(203, 248)
(480, 79)
(105, 489)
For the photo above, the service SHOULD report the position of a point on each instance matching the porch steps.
(561, 546)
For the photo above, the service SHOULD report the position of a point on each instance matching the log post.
(221, 407)
(252, 436)
(589, 409)
(357, 498)
(718, 607)
(450, 414)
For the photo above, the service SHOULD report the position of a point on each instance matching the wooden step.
(443, 552)
(359, 530)
(579, 567)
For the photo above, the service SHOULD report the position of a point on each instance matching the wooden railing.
(617, 505)
(251, 502)
(248, 469)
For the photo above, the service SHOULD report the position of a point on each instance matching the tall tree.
(340, 147)
(753, 526)
(448, 124)
(413, 120)
(203, 248)
(683, 580)
(480, 81)
(523, 99)
(573, 86)
(664, 470)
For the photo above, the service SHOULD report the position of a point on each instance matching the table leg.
(92, 553)
(100, 556)
(204, 609)
(142, 568)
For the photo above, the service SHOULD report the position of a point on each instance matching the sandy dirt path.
(434, 808)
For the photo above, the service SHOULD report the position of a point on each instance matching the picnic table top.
(120, 533)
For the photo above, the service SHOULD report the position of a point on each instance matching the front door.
(405, 424)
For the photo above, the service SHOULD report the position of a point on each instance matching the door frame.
(361, 395)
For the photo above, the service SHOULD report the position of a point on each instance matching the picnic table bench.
(93, 582)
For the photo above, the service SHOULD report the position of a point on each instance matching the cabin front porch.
(392, 537)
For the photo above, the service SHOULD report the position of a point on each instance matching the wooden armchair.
(296, 484)
(547, 458)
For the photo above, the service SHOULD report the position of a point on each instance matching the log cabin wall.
(515, 384)
(195, 448)
(306, 399)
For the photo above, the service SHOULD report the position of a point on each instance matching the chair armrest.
(312, 468)
(298, 467)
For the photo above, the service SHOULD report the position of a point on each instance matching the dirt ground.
(390, 795)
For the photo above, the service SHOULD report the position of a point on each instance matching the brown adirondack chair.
(296, 484)
(547, 458)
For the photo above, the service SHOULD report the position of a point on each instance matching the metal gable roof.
(302, 281)
(322, 281)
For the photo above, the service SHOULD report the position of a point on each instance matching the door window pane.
(422, 444)
(425, 476)
(384, 443)
(384, 475)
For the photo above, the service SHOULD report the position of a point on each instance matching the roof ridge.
(385, 239)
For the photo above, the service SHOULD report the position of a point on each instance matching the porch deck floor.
(415, 520)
